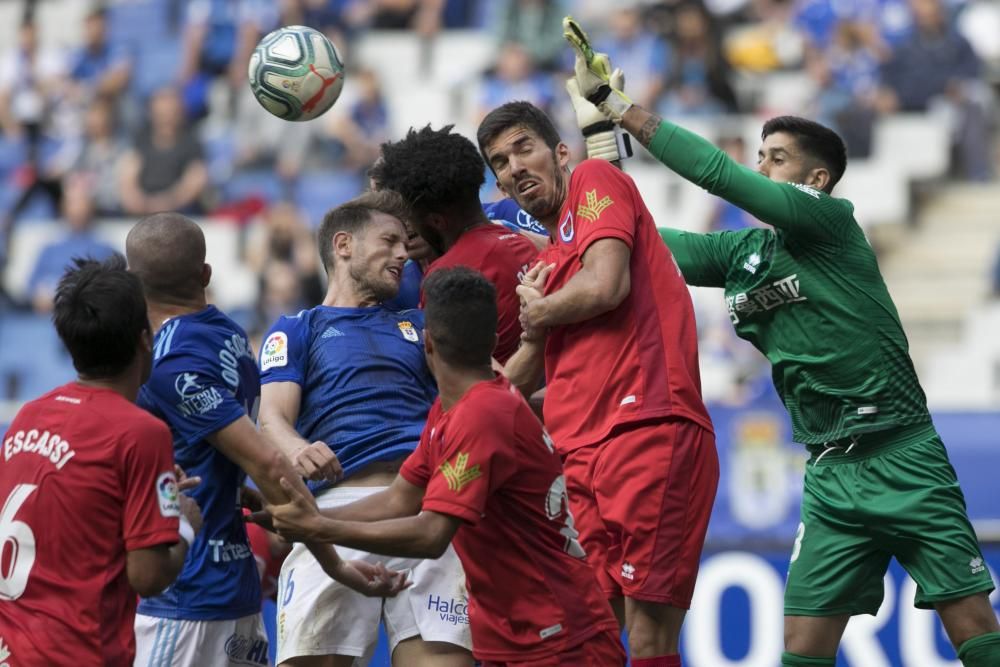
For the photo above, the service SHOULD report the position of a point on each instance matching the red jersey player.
(623, 397)
(486, 477)
(439, 173)
(90, 503)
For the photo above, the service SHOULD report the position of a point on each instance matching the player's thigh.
(318, 616)
(601, 650)
(655, 484)
(162, 642)
(926, 524)
(837, 566)
(319, 661)
(415, 652)
(578, 469)
(967, 617)
(433, 609)
(814, 636)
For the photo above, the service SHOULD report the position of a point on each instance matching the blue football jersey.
(204, 378)
(513, 216)
(366, 388)
(408, 296)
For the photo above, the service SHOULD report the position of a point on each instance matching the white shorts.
(168, 642)
(318, 616)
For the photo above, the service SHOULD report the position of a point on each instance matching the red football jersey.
(85, 476)
(638, 361)
(488, 462)
(503, 256)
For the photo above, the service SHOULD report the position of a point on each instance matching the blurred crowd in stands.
(149, 110)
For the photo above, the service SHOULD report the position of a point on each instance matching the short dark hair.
(461, 315)
(167, 251)
(817, 141)
(435, 171)
(353, 216)
(100, 314)
(516, 114)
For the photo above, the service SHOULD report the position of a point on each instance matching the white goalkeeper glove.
(593, 74)
(604, 140)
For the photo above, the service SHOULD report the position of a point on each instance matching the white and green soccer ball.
(296, 73)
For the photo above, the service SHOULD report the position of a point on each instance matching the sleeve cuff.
(466, 514)
(146, 540)
(412, 476)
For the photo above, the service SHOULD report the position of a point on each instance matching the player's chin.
(388, 289)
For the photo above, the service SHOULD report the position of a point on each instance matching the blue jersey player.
(345, 394)
(205, 386)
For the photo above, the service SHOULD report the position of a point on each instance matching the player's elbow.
(434, 547)
(151, 571)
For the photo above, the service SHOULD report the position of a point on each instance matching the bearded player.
(439, 174)
(809, 295)
(621, 366)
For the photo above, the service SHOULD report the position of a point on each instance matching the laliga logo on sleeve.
(166, 493)
(409, 332)
(275, 352)
(566, 228)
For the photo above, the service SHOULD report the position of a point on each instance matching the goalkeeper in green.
(809, 295)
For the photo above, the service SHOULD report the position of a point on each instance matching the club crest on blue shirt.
(409, 332)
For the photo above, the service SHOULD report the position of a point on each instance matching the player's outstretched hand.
(376, 581)
(593, 74)
(297, 520)
(317, 462)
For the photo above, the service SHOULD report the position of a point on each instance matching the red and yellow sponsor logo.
(593, 208)
(460, 473)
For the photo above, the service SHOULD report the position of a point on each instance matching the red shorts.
(601, 650)
(641, 500)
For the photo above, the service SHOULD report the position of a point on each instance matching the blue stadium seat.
(32, 354)
(254, 182)
(318, 192)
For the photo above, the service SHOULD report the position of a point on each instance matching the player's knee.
(967, 617)
(653, 629)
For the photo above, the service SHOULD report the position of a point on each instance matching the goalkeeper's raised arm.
(798, 165)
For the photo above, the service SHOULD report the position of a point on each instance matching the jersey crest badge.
(275, 352)
(566, 228)
(166, 493)
(459, 474)
(594, 207)
(409, 331)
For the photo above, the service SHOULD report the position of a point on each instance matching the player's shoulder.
(596, 170)
(489, 405)
(821, 198)
(140, 425)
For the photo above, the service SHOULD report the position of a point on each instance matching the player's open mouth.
(397, 272)
(526, 187)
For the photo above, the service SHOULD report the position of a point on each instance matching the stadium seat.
(318, 192)
(33, 356)
(878, 191)
(460, 55)
(400, 59)
(26, 244)
(896, 137)
(253, 183)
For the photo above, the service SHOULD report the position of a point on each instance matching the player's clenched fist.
(317, 462)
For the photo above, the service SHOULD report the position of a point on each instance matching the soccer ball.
(296, 73)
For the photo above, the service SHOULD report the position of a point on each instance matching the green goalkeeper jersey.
(808, 294)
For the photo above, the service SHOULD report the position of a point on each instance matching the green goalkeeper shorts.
(894, 494)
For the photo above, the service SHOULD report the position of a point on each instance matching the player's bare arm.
(279, 410)
(425, 535)
(599, 287)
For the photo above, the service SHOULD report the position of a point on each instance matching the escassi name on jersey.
(48, 445)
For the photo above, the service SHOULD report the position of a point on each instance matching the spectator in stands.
(282, 236)
(32, 87)
(935, 69)
(634, 48)
(422, 16)
(100, 157)
(534, 24)
(280, 294)
(78, 241)
(330, 17)
(365, 125)
(165, 169)
(514, 77)
(219, 36)
(846, 73)
(698, 78)
(99, 67)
